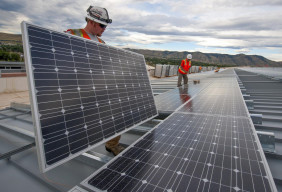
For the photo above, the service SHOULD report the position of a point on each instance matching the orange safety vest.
(82, 33)
(184, 65)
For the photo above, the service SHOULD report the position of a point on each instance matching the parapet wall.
(13, 84)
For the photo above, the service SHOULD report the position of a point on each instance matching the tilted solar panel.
(82, 92)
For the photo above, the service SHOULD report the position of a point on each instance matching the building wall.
(13, 84)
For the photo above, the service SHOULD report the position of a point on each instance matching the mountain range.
(7, 38)
(210, 58)
(213, 58)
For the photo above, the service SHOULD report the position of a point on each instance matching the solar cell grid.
(222, 97)
(171, 100)
(189, 152)
(83, 92)
(222, 105)
(212, 148)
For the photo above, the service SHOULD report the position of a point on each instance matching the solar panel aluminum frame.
(35, 111)
(32, 98)
(77, 189)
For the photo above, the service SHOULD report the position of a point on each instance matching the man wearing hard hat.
(97, 19)
(183, 70)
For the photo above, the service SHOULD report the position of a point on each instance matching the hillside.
(8, 38)
(213, 58)
(210, 58)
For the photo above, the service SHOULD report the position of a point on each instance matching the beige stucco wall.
(13, 84)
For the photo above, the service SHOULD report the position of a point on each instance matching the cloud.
(53, 14)
(275, 57)
(219, 24)
(10, 5)
(231, 3)
(9, 25)
(244, 50)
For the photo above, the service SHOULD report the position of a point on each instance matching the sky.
(251, 27)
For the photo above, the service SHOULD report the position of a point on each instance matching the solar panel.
(205, 150)
(221, 98)
(220, 105)
(171, 70)
(82, 93)
(164, 70)
(171, 100)
(158, 70)
(189, 152)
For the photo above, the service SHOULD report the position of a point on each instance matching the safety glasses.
(102, 26)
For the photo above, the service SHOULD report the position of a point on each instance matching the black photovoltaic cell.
(189, 152)
(84, 92)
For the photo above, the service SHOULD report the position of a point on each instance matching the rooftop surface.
(17, 134)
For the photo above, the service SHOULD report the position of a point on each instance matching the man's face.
(97, 29)
(100, 29)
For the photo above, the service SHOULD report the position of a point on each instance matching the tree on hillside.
(8, 56)
(11, 52)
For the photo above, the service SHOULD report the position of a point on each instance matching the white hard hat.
(189, 56)
(98, 14)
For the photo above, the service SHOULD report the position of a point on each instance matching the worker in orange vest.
(97, 19)
(183, 70)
